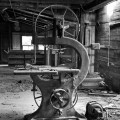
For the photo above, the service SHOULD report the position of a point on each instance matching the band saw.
(57, 83)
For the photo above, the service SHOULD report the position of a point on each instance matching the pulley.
(59, 99)
(94, 111)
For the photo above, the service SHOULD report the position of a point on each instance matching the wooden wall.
(88, 35)
(7, 38)
(108, 58)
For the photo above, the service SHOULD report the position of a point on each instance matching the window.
(40, 47)
(27, 43)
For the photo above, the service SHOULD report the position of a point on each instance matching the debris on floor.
(16, 97)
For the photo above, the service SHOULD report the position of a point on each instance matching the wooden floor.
(16, 97)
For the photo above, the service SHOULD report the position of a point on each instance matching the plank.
(49, 70)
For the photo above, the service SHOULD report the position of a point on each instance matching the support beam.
(38, 3)
(96, 4)
(48, 1)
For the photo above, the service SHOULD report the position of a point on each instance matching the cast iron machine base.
(58, 84)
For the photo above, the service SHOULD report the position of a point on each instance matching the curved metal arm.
(82, 52)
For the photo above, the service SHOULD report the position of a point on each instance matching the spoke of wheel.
(65, 99)
(38, 97)
(52, 11)
(69, 33)
(61, 106)
(64, 13)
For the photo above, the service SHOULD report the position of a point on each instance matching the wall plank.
(109, 55)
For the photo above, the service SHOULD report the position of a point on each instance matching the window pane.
(25, 47)
(26, 40)
(40, 47)
(31, 47)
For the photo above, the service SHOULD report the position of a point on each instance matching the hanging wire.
(109, 48)
(35, 45)
(12, 8)
(75, 100)
(85, 10)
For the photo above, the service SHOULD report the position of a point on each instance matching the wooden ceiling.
(39, 4)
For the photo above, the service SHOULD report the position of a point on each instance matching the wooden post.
(89, 39)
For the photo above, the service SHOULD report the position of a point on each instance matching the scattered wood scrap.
(111, 106)
(103, 94)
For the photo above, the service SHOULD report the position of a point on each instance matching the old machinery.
(57, 83)
(59, 99)
(37, 95)
(94, 111)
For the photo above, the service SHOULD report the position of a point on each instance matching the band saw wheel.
(59, 99)
(70, 25)
(37, 92)
(37, 96)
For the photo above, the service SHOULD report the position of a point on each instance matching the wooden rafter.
(37, 4)
(49, 1)
(96, 4)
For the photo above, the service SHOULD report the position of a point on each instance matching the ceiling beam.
(38, 4)
(17, 5)
(96, 4)
(48, 1)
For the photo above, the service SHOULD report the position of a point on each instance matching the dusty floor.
(16, 97)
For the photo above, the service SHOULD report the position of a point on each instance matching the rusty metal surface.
(58, 109)
(82, 52)
(51, 70)
(57, 91)
(62, 118)
(46, 109)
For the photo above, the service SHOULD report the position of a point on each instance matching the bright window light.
(26, 40)
(28, 47)
(110, 8)
(41, 47)
(27, 43)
